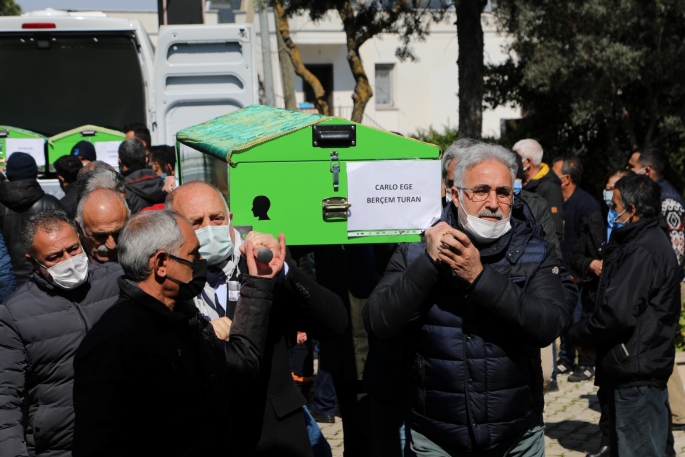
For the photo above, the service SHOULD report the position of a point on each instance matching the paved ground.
(571, 417)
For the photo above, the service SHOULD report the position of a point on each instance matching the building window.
(384, 85)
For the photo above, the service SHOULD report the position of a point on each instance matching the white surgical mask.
(482, 230)
(608, 195)
(215, 243)
(71, 273)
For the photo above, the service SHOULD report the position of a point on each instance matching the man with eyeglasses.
(478, 299)
(41, 326)
(100, 215)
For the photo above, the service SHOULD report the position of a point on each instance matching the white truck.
(62, 70)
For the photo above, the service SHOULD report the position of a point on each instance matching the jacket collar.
(629, 232)
(130, 290)
(544, 169)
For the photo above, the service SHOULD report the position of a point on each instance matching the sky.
(88, 5)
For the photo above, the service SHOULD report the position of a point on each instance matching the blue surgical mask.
(163, 176)
(518, 185)
(608, 195)
(611, 222)
(215, 243)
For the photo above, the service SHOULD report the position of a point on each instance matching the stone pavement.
(571, 418)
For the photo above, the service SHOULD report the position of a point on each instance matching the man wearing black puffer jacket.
(20, 198)
(634, 324)
(477, 300)
(41, 326)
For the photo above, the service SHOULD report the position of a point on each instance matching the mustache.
(102, 249)
(495, 214)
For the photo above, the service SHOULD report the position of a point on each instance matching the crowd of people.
(136, 320)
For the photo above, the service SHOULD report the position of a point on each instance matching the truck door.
(201, 72)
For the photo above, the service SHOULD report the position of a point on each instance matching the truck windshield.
(51, 83)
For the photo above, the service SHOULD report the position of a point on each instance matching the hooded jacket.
(143, 189)
(634, 324)
(475, 376)
(41, 326)
(19, 200)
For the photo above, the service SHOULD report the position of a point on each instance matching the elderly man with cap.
(99, 217)
(21, 197)
(151, 378)
(41, 326)
(268, 417)
(85, 151)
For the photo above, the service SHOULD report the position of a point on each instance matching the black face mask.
(193, 288)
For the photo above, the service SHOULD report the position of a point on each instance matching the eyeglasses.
(482, 192)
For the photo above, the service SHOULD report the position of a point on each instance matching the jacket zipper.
(81, 316)
(423, 385)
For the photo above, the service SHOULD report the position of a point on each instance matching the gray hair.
(47, 221)
(99, 178)
(529, 149)
(480, 153)
(169, 202)
(84, 201)
(454, 152)
(144, 235)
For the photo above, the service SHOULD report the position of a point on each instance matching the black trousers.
(355, 410)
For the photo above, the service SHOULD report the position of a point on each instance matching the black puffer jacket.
(19, 200)
(476, 379)
(41, 326)
(638, 304)
(150, 381)
(143, 189)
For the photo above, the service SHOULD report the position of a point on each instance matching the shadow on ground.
(592, 402)
(574, 435)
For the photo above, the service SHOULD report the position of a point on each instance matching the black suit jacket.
(266, 416)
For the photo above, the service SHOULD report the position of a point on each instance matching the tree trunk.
(286, 72)
(321, 102)
(471, 68)
(362, 89)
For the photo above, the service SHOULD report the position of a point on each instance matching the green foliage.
(9, 8)
(596, 78)
(442, 140)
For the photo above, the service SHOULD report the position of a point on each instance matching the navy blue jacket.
(475, 376)
(578, 206)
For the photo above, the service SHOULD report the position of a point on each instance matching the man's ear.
(61, 179)
(35, 265)
(158, 264)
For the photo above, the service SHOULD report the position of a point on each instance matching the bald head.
(100, 216)
(201, 203)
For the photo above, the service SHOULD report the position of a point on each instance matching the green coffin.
(62, 143)
(7, 145)
(281, 176)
